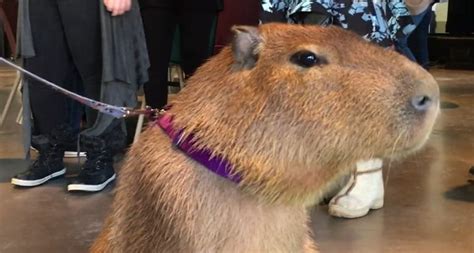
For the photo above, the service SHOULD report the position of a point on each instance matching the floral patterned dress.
(381, 21)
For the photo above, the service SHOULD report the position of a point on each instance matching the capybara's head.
(294, 107)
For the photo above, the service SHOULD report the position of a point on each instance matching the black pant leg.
(277, 16)
(52, 62)
(81, 22)
(418, 41)
(159, 25)
(195, 28)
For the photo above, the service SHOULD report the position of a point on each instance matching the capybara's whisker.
(389, 167)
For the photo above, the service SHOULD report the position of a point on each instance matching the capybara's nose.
(422, 102)
(426, 94)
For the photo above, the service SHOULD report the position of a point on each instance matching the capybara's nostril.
(421, 103)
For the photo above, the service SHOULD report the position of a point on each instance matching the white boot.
(363, 192)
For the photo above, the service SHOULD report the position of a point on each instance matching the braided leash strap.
(112, 110)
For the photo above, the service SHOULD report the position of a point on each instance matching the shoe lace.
(40, 161)
(89, 164)
(47, 157)
(97, 161)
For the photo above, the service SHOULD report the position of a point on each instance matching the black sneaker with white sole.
(48, 165)
(36, 176)
(97, 171)
(92, 180)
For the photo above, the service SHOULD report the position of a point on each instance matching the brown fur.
(290, 131)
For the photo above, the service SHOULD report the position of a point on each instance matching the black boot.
(98, 170)
(49, 163)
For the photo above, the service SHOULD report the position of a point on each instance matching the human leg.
(49, 108)
(418, 40)
(82, 27)
(159, 25)
(363, 192)
(196, 27)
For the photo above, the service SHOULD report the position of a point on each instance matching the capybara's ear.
(245, 46)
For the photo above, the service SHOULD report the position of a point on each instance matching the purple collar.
(216, 164)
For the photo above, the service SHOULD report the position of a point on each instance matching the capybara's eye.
(305, 59)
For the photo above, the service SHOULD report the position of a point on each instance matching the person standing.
(195, 19)
(98, 44)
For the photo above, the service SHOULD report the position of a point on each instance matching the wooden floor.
(429, 203)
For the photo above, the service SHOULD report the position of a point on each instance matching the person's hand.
(118, 7)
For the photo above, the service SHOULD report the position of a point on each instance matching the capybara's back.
(289, 108)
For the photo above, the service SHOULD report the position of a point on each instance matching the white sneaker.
(67, 154)
(73, 154)
(363, 192)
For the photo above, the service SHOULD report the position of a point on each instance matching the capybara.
(289, 109)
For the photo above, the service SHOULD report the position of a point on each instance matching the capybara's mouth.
(410, 142)
(404, 152)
